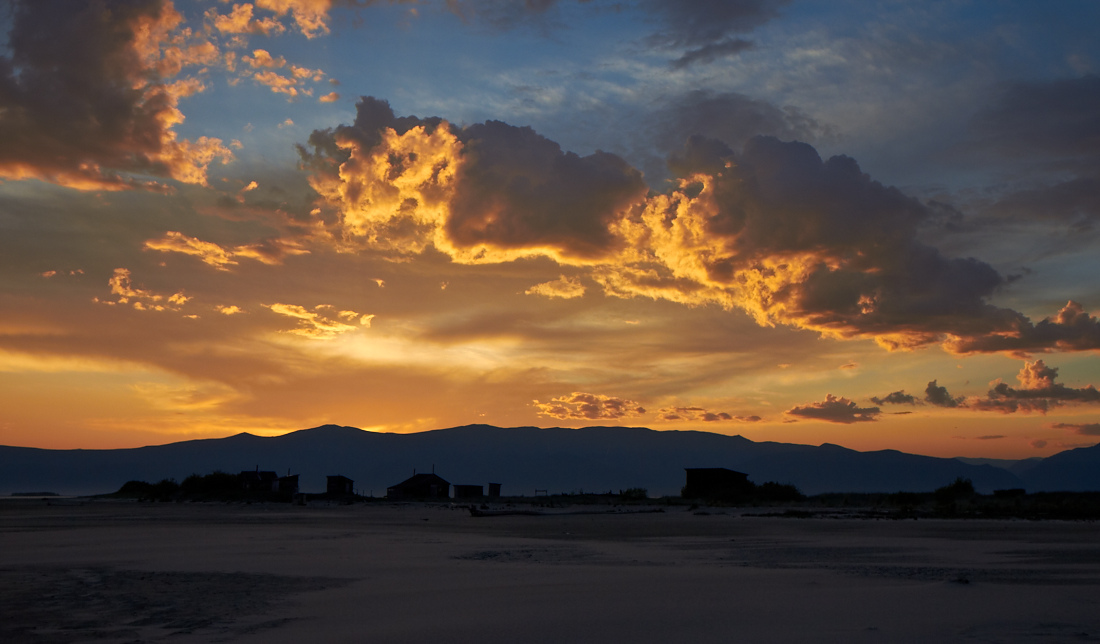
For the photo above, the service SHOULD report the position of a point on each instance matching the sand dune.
(126, 572)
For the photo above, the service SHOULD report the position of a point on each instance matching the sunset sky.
(865, 223)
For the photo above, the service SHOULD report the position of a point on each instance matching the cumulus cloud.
(718, 116)
(488, 192)
(699, 414)
(564, 287)
(895, 398)
(331, 97)
(263, 58)
(86, 100)
(1038, 392)
(322, 322)
(271, 252)
(938, 396)
(585, 406)
(836, 410)
(795, 240)
(729, 117)
(771, 229)
(1084, 429)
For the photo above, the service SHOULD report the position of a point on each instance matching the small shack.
(716, 483)
(420, 486)
(257, 481)
(288, 484)
(339, 485)
(494, 490)
(469, 491)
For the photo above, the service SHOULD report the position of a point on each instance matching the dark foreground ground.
(122, 571)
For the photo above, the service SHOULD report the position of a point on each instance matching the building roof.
(417, 480)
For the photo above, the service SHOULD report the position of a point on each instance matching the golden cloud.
(772, 230)
(699, 414)
(261, 58)
(585, 406)
(97, 124)
(564, 287)
(141, 299)
(311, 16)
(209, 252)
(271, 252)
(241, 21)
(318, 323)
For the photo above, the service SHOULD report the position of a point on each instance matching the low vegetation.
(217, 486)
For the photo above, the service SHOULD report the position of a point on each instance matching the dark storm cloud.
(704, 30)
(1054, 119)
(712, 52)
(82, 96)
(896, 398)
(725, 118)
(1055, 127)
(518, 189)
(1075, 202)
(1084, 429)
(938, 396)
(836, 410)
(864, 272)
(1071, 329)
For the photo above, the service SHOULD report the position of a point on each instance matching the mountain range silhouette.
(523, 459)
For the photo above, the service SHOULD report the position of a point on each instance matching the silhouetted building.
(469, 491)
(715, 483)
(288, 484)
(257, 481)
(420, 486)
(339, 485)
(494, 490)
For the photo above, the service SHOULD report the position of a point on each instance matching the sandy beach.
(99, 571)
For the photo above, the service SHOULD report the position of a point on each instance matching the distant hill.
(1072, 470)
(523, 459)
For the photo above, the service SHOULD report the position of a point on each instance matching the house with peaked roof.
(420, 486)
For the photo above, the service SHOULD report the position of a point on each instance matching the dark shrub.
(959, 490)
(778, 492)
(216, 485)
